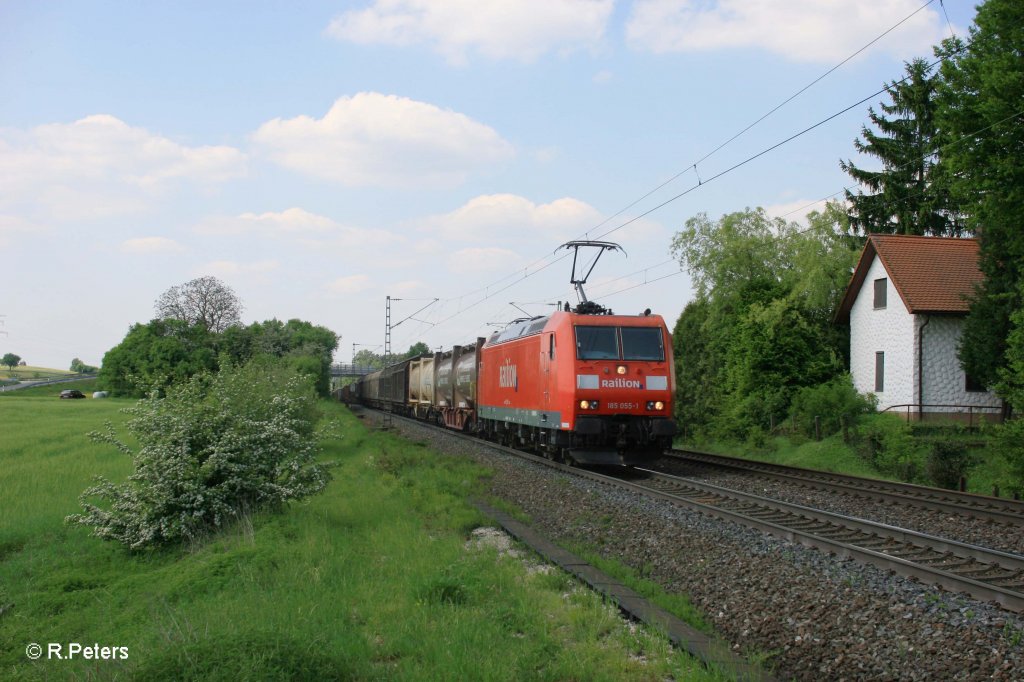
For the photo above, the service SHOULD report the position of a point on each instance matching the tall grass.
(371, 580)
(46, 460)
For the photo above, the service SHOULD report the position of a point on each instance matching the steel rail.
(984, 507)
(984, 574)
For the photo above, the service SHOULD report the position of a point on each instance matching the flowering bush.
(211, 448)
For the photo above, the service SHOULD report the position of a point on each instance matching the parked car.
(71, 394)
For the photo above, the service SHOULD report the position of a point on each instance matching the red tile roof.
(931, 274)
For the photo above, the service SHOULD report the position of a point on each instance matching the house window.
(880, 290)
(879, 372)
(972, 385)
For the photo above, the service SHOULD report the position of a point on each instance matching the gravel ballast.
(962, 528)
(814, 616)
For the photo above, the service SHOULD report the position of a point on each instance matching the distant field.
(30, 372)
(371, 580)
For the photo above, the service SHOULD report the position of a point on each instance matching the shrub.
(214, 447)
(832, 402)
(886, 442)
(947, 462)
(1008, 443)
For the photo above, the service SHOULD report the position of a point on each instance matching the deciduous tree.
(203, 301)
(367, 358)
(159, 353)
(82, 368)
(760, 327)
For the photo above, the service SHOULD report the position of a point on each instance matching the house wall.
(944, 381)
(891, 330)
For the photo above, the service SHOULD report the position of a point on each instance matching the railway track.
(992, 509)
(984, 574)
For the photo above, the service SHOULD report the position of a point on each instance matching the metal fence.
(972, 415)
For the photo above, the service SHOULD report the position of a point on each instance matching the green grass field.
(371, 580)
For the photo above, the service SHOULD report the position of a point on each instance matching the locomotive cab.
(621, 391)
(587, 388)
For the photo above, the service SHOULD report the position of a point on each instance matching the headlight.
(621, 369)
(588, 404)
(655, 405)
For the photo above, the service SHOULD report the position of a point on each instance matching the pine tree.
(910, 194)
(981, 110)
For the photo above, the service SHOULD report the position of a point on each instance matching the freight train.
(581, 386)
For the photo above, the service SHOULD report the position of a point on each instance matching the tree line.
(367, 358)
(198, 330)
(950, 141)
(759, 337)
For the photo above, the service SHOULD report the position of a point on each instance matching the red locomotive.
(594, 389)
(583, 386)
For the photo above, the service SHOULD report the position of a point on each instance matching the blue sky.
(320, 156)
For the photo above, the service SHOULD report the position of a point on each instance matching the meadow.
(374, 579)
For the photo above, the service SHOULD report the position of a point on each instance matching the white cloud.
(801, 30)
(371, 139)
(101, 166)
(406, 287)
(228, 268)
(487, 259)
(509, 218)
(11, 223)
(151, 245)
(522, 30)
(290, 221)
(794, 211)
(351, 284)
(300, 227)
(14, 225)
(491, 216)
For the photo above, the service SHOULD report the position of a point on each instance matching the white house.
(906, 305)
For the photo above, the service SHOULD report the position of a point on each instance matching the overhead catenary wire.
(931, 152)
(761, 153)
(776, 108)
(537, 262)
(935, 150)
(541, 264)
(813, 82)
(488, 294)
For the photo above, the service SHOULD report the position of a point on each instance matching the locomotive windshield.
(642, 343)
(604, 343)
(597, 343)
